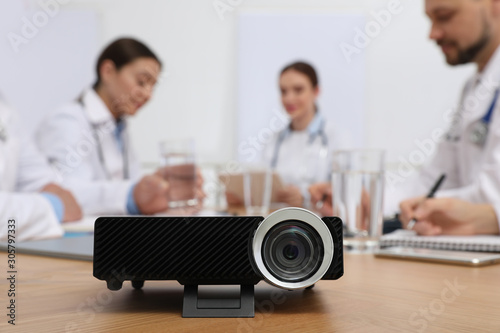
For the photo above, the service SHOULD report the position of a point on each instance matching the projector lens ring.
(292, 248)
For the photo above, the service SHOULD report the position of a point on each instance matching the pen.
(431, 193)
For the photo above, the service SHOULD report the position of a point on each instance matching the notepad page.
(481, 243)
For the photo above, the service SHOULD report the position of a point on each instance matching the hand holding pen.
(431, 194)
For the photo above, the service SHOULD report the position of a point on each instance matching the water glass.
(179, 170)
(358, 190)
(257, 186)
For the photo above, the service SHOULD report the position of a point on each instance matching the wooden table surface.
(374, 295)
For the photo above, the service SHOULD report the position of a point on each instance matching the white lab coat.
(303, 158)
(23, 170)
(472, 172)
(73, 138)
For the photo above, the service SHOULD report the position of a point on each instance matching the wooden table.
(375, 295)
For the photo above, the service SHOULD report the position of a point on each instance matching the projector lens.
(292, 248)
(292, 251)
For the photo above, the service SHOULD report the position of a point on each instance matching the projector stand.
(218, 308)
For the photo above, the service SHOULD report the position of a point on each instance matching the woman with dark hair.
(300, 153)
(88, 142)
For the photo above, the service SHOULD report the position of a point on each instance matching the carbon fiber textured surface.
(336, 269)
(191, 250)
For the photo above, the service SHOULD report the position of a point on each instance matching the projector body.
(191, 250)
(195, 250)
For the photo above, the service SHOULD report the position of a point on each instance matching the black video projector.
(292, 248)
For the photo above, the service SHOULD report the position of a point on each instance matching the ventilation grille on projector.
(190, 250)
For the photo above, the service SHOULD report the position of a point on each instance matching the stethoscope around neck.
(480, 128)
(312, 137)
(100, 152)
(3, 132)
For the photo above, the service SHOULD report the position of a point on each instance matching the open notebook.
(409, 238)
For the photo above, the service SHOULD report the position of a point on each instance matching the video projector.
(292, 248)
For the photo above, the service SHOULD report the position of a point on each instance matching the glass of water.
(179, 170)
(257, 187)
(357, 194)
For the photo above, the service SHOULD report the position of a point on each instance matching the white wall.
(408, 85)
(45, 56)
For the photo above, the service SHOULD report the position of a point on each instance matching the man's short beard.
(470, 53)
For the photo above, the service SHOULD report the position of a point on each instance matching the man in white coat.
(468, 31)
(469, 154)
(32, 206)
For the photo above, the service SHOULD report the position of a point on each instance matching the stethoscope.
(312, 138)
(100, 152)
(3, 132)
(480, 129)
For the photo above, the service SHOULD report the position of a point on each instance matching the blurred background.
(381, 78)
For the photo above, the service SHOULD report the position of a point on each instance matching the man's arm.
(448, 216)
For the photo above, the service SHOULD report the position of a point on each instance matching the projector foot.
(194, 307)
(137, 284)
(114, 284)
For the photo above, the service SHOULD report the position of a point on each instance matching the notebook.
(408, 238)
(80, 248)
